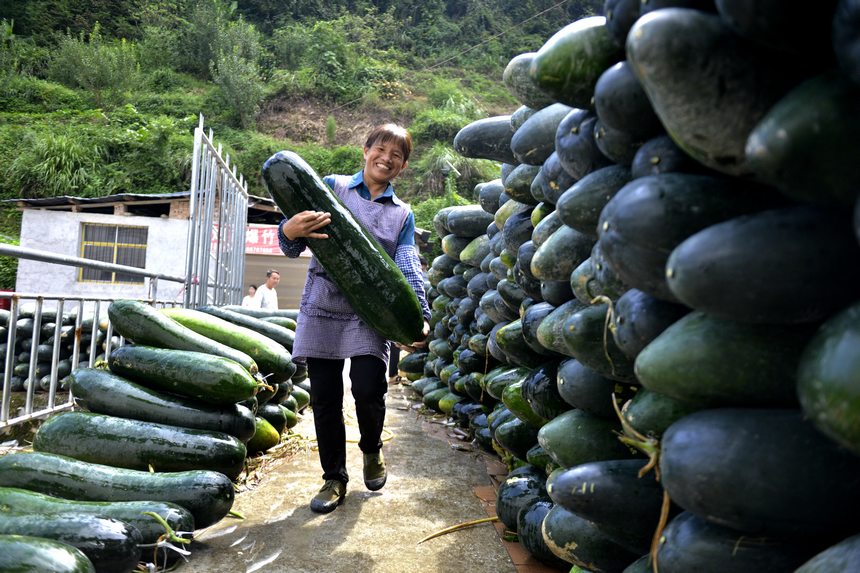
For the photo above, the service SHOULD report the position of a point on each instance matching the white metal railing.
(76, 327)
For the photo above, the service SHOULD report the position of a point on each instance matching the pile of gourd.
(654, 313)
(171, 418)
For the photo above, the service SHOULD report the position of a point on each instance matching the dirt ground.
(299, 119)
(432, 484)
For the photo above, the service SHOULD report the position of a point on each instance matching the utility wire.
(437, 64)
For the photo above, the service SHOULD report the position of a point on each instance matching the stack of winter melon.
(675, 234)
(168, 428)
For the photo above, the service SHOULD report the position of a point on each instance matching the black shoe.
(374, 471)
(329, 497)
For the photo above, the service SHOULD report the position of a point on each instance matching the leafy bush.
(159, 48)
(248, 151)
(330, 129)
(94, 155)
(54, 164)
(452, 108)
(106, 69)
(242, 38)
(437, 125)
(240, 90)
(8, 266)
(289, 45)
(24, 94)
(177, 104)
(443, 90)
(146, 154)
(206, 20)
(440, 162)
(7, 55)
(492, 91)
(215, 30)
(338, 59)
(343, 160)
(251, 150)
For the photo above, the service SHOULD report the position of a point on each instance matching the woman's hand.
(418, 345)
(305, 224)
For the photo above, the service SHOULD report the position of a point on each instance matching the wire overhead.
(469, 49)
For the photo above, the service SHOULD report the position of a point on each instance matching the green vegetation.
(102, 97)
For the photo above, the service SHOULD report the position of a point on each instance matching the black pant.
(393, 359)
(369, 385)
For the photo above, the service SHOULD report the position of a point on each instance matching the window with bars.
(113, 244)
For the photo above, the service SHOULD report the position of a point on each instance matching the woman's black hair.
(386, 132)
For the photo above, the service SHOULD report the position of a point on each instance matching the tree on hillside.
(117, 18)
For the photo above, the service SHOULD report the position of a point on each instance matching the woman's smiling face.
(383, 162)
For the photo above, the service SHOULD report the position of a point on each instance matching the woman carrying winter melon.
(328, 331)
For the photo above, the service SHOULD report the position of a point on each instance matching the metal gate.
(75, 330)
(218, 222)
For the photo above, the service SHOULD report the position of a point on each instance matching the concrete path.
(430, 487)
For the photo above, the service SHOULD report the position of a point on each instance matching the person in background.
(393, 361)
(267, 296)
(249, 298)
(328, 331)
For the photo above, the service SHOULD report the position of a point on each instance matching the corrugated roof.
(62, 200)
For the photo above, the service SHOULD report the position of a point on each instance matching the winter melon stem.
(608, 326)
(651, 447)
(169, 534)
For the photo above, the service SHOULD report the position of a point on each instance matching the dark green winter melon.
(521, 487)
(828, 375)
(588, 339)
(651, 413)
(715, 362)
(575, 146)
(650, 216)
(662, 155)
(562, 252)
(780, 266)
(612, 495)
(579, 207)
(553, 178)
(534, 141)
(692, 544)
(708, 86)
(516, 78)
(579, 542)
(640, 318)
(540, 390)
(568, 65)
(844, 556)
(804, 145)
(622, 104)
(468, 221)
(487, 138)
(576, 437)
(812, 486)
(518, 184)
(583, 388)
(530, 534)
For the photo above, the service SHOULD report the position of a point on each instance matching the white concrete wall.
(59, 232)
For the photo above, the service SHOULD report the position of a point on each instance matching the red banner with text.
(262, 240)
